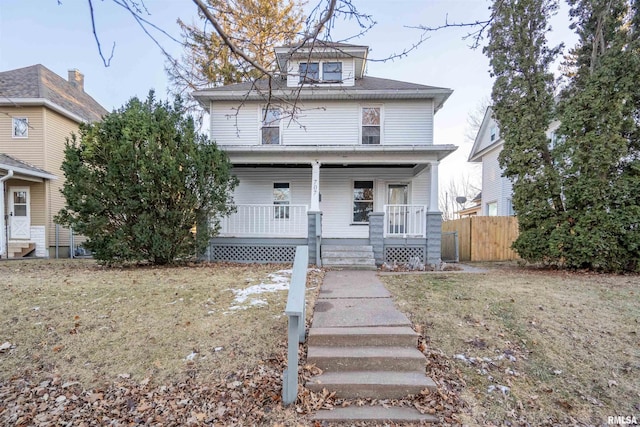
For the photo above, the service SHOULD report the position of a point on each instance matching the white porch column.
(433, 193)
(315, 186)
(3, 225)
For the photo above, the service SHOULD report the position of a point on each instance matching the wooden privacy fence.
(484, 238)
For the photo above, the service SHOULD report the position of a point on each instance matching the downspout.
(4, 241)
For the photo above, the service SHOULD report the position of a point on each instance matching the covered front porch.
(384, 197)
(23, 209)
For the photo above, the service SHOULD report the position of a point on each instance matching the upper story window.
(494, 133)
(20, 128)
(371, 125)
(332, 72)
(270, 126)
(320, 72)
(309, 72)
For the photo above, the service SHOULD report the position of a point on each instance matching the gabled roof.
(37, 85)
(11, 163)
(479, 149)
(364, 88)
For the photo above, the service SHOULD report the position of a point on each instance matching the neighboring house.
(472, 210)
(497, 190)
(38, 111)
(335, 159)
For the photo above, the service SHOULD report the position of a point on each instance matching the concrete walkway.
(365, 347)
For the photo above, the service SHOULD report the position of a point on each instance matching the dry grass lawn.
(535, 347)
(92, 324)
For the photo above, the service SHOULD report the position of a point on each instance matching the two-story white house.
(497, 190)
(330, 157)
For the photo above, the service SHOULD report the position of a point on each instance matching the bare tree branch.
(105, 61)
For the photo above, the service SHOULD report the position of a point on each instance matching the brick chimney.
(76, 78)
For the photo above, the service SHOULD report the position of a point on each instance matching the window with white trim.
(370, 125)
(271, 126)
(492, 209)
(494, 133)
(20, 127)
(281, 199)
(362, 201)
(332, 72)
(309, 72)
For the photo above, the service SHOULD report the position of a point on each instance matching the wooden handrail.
(295, 311)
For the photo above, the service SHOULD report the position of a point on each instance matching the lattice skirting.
(252, 253)
(401, 254)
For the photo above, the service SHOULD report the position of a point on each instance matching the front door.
(397, 199)
(19, 213)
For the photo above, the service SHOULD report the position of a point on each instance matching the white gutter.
(43, 102)
(4, 246)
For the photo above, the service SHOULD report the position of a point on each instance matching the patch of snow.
(503, 388)
(278, 281)
(191, 356)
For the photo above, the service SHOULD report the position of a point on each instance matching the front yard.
(534, 347)
(205, 344)
(166, 346)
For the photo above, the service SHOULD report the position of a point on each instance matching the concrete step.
(372, 384)
(347, 254)
(363, 336)
(350, 266)
(340, 359)
(348, 261)
(346, 248)
(373, 413)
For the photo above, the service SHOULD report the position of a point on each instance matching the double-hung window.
(20, 128)
(281, 200)
(362, 201)
(309, 72)
(332, 72)
(270, 126)
(371, 125)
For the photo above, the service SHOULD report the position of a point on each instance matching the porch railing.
(266, 221)
(405, 221)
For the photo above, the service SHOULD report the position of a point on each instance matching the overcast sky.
(59, 37)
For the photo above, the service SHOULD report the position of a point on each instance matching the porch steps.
(19, 249)
(366, 349)
(351, 257)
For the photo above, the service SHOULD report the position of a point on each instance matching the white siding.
(231, 124)
(409, 122)
(495, 187)
(485, 135)
(325, 123)
(336, 189)
(348, 72)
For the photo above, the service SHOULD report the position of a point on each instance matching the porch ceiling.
(338, 154)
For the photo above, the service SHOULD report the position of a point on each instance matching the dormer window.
(332, 72)
(309, 72)
(320, 72)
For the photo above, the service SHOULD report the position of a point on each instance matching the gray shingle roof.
(38, 82)
(366, 88)
(9, 162)
(365, 83)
